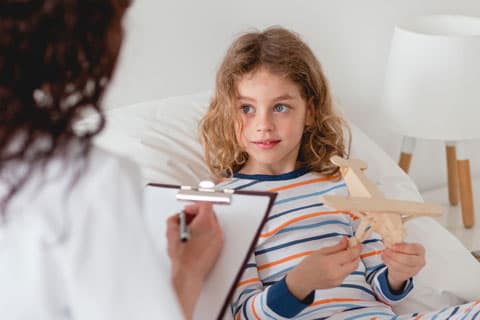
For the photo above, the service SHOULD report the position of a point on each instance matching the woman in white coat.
(73, 242)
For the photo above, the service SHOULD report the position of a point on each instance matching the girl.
(271, 126)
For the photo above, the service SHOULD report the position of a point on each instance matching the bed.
(161, 136)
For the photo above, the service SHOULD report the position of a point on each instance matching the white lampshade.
(432, 84)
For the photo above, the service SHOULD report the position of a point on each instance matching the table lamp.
(432, 91)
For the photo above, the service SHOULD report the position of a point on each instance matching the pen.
(184, 231)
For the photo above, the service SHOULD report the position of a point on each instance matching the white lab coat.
(81, 250)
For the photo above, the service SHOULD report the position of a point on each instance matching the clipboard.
(241, 215)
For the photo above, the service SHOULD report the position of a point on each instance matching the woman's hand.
(193, 260)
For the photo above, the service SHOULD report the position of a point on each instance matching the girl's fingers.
(409, 248)
(349, 267)
(404, 259)
(398, 267)
(348, 256)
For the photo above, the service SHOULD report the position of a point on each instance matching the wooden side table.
(458, 172)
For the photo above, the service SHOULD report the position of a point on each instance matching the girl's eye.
(246, 109)
(280, 108)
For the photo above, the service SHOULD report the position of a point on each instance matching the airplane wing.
(382, 205)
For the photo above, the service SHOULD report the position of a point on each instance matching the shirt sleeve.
(111, 270)
(254, 301)
(376, 271)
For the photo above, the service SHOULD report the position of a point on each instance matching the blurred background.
(173, 48)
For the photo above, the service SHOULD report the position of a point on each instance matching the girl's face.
(273, 114)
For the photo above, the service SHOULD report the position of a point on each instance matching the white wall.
(173, 47)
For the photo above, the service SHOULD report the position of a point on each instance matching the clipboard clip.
(205, 192)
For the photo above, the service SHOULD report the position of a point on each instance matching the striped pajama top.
(298, 224)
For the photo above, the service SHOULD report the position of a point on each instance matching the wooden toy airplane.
(384, 216)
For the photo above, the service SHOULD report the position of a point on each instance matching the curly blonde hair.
(282, 52)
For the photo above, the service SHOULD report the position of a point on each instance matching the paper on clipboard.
(241, 222)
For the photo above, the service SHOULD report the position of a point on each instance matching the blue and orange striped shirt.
(299, 224)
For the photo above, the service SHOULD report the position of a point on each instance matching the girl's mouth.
(266, 144)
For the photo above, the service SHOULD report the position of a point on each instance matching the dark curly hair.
(56, 59)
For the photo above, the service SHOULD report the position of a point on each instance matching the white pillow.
(162, 137)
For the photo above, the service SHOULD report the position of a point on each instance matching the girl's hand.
(193, 260)
(403, 260)
(325, 268)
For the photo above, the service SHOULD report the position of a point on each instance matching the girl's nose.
(264, 122)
